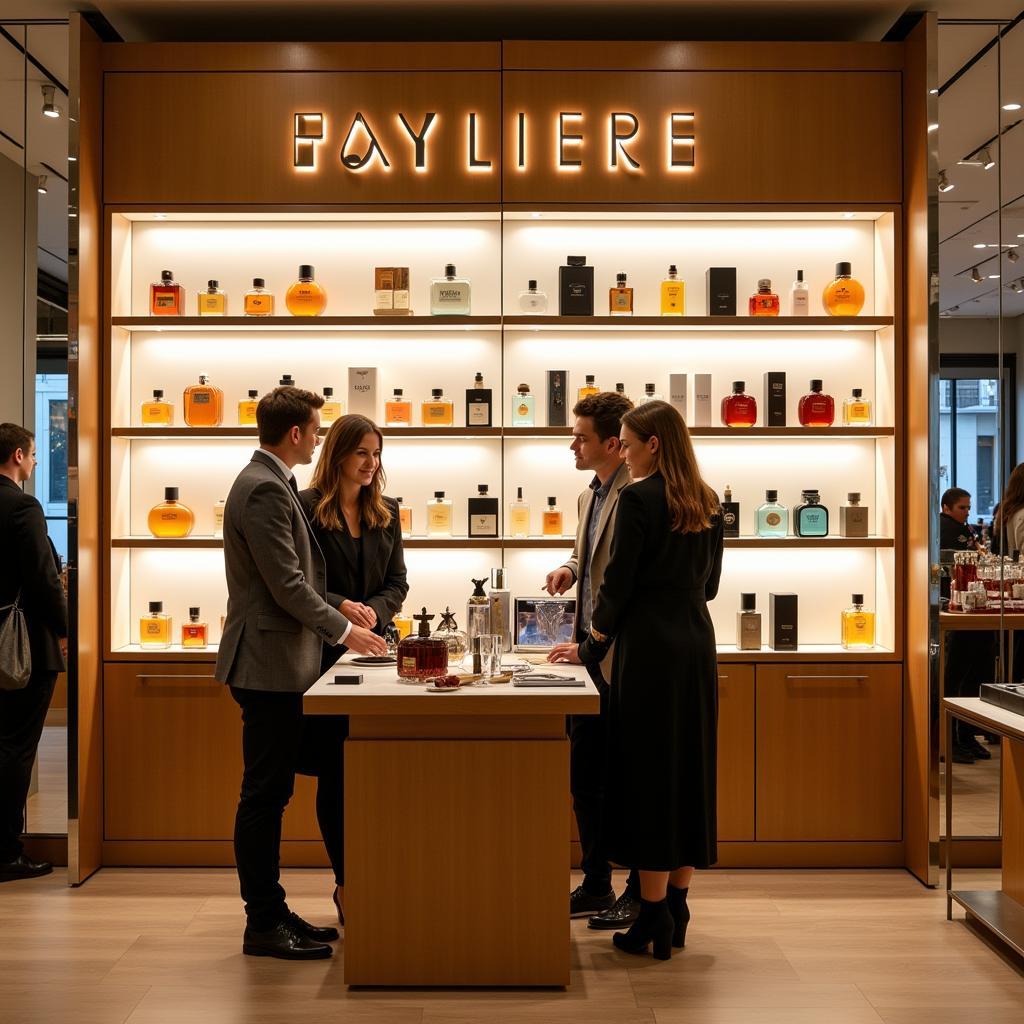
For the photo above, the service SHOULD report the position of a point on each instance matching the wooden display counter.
(455, 829)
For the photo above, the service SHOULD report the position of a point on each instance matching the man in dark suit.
(277, 621)
(29, 573)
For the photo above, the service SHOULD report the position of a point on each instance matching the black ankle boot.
(654, 925)
(680, 915)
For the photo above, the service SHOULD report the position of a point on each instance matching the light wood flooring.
(47, 809)
(161, 946)
(975, 796)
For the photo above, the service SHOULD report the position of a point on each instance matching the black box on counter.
(721, 283)
(1008, 696)
(774, 399)
(782, 622)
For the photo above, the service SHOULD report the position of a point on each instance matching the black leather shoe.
(962, 754)
(23, 867)
(284, 942)
(977, 751)
(583, 904)
(621, 914)
(310, 930)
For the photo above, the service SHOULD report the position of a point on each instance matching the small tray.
(370, 659)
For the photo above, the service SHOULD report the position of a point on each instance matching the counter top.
(991, 716)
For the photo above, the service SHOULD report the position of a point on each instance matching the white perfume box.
(362, 390)
(677, 392)
(701, 400)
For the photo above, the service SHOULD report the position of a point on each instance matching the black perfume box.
(558, 398)
(576, 288)
(774, 399)
(782, 617)
(483, 517)
(478, 407)
(721, 291)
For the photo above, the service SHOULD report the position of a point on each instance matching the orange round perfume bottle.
(170, 518)
(305, 297)
(845, 295)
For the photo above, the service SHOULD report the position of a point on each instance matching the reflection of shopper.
(1008, 521)
(955, 533)
(29, 574)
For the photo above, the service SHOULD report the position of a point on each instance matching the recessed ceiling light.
(1012, 256)
(1011, 106)
(72, 159)
(993, 277)
(979, 245)
(933, 92)
(535, 215)
(849, 216)
(933, 127)
(160, 216)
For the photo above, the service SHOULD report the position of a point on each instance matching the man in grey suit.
(277, 621)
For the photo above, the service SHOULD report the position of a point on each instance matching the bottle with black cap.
(247, 408)
(853, 518)
(171, 518)
(158, 412)
(439, 516)
(437, 411)
(483, 514)
(748, 624)
(330, 410)
(551, 519)
(194, 633)
(772, 517)
(166, 296)
(856, 409)
(479, 401)
(259, 301)
(533, 300)
(449, 295)
(845, 295)
(858, 625)
(305, 297)
(213, 302)
(155, 628)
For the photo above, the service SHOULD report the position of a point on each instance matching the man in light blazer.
(595, 443)
(277, 622)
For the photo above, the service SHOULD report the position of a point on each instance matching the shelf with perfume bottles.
(244, 324)
(738, 433)
(732, 324)
(248, 433)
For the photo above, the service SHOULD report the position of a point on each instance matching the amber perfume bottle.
(817, 409)
(157, 412)
(439, 516)
(739, 409)
(551, 519)
(858, 625)
(155, 628)
(212, 302)
(519, 516)
(620, 298)
(204, 404)
(438, 411)
(422, 656)
(247, 409)
(764, 302)
(404, 517)
(170, 518)
(843, 296)
(856, 410)
(398, 411)
(673, 294)
(194, 633)
(258, 301)
(589, 388)
(403, 623)
(305, 297)
(330, 410)
(166, 297)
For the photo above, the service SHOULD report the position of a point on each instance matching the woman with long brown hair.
(1008, 522)
(358, 529)
(665, 563)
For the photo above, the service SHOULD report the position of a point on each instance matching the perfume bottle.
(286, 381)
(772, 516)
(437, 412)
(857, 410)
(519, 516)
(730, 514)
(449, 295)
(403, 623)
(522, 407)
(816, 409)
(218, 517)
(157, 413)
(478, 403)
(650, 395)
(845, 295)
(166, 298)
(798, 305)
(739, 409)
(576, 287)
(213, 302)
(305, 297)
(439, 516)
(170, 518)
(330, 410)
(398, 411)
(258, 301)
(858, 625)
(532, 300)
(748, 624)
(247, 409)
(810, 517)
(478, 612)
(589, 388)
(155, 628)
(764, 302)
(853, 518)
(673, 294)
(203, 404)
(501, 607)
(551, 520)
(620, 388)
(194, 632)
(448, 631)
(620, 298)
(422, 656)
(483, 514)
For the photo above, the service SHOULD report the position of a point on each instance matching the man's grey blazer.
(277, 618)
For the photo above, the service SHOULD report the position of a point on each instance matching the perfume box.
(558, 398)
(701, 400)
(391, 291)
(576, 288)
(721, 283)
(478, 407)
(401, 291)
(483, 517)
(677, 392)
(782, 618)
(853, 520)
(362, 390)
(775, 399)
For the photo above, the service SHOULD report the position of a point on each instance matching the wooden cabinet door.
(735, 752)
(828, 752)
(172, 740)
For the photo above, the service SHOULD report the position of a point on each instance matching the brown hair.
(12, 437)
(342, 440)
(606, 409)
(283, 408)
(691, 503)
(1013, 499)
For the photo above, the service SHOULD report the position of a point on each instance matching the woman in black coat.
(359, 532)
(665, 564)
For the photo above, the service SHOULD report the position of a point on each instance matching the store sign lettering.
(362, 149)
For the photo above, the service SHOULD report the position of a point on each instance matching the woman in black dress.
(361, 537)
(665, 563)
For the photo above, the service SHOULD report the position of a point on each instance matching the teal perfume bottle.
(523, 407)
(810, 517)
(772, 517)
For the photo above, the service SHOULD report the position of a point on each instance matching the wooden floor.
(47, 809)
(765, 947)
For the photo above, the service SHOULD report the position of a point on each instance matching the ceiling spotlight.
(993, 277)
(1013, 256)
(1016, 287)
(980, 245)
(1011, 106)
(49, 107)
(976, 275)
(41, 184)
(933, 92)
(945, 185)
(985, 157)
(933, 127)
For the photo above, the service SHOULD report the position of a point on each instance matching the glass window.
(51, 477)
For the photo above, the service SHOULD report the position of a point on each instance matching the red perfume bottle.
(764, 302)
(816, 409)
(422, 656)
(739, 409)
(166, 297)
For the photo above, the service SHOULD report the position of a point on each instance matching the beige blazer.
(602, 548)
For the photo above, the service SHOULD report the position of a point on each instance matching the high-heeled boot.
(654, 926)
(680, 915)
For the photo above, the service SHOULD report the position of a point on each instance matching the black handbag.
(15, 653)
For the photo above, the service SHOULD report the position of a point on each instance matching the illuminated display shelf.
(681, 324)
(359, 324)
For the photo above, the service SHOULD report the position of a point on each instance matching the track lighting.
(986, 159)
(49, 107)
(976, 275)
(41, 184)
(1016, 287)
(945, 185)
(1012, 256)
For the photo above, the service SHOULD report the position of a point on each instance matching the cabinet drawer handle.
(182, 675)
(723, 675)
(852, 679)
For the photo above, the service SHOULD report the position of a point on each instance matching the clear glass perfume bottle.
(843, 296)
(533, 300)
(858, 625)
(673, 294)
(739, 409)
(551, 520)
(748, 624)
(449, 295)
(438, 411)
(650, 394)
(258, 301)
(620, 298)
(810, 517)
(330, 410)
(798, 304)
(212, 302)
(439, 516)
(166, 297)
(856, 410)
(286, 381)
(772, 518)
(203, 404)
(247, 409)
(519, 516)
(157, 412)
(523, 407)
(170, 518)
(218, 517)
(589, 387)
(764, 302)
(155, 628)
(398, 410)
(305, 297)
(194, 632)
(817, 409)
(404, 517)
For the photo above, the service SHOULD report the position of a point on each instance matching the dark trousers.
(278, 740)
(970, 661)
(22, 714)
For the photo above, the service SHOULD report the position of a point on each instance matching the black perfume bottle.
(730, 515)
(478, 403)
(558, 401)
(576, 288)
(721, 288)
(483, 514)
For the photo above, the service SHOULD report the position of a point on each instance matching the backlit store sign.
(362, 150)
